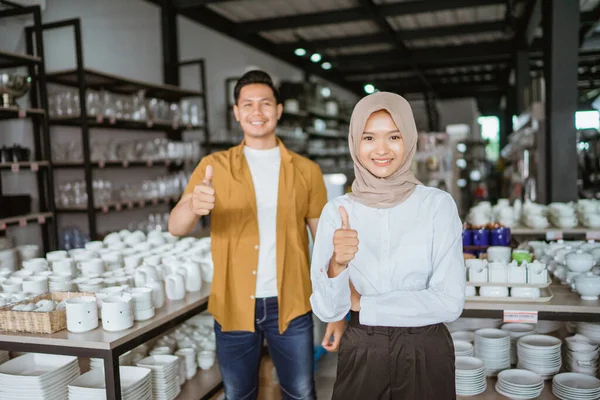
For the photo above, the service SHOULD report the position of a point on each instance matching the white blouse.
(409, 268)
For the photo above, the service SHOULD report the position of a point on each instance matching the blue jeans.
(239, 354)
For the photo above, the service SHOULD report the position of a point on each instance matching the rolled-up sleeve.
(330, 300)
(444, 298)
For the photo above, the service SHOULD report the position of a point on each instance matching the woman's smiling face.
(381, 149)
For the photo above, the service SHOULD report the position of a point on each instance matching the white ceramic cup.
(12, 285)
(91, 266)
(35, 284)
(56, 255)
(206, 359)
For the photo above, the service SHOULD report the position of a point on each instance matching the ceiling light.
(325, 92)
(300, 52)
(316, 57)
(326, 65)
(369, 88)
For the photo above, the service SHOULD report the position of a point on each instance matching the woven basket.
(37, 322)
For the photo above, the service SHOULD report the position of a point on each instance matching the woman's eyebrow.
(372, 133)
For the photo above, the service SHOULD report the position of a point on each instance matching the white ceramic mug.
(82, 314)
(90, 267)
(175, 287)
(35, 284)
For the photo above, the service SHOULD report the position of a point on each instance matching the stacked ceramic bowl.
(573, 386)
(136, 384)
(143, 307)
(472, 324)
(35, 376)
(517, 331)
(590, 330)
(544, 327)
(492, 346)
(519, 384)
(463, 348)
(581, 355)
(540, 354)
(470, 376)
(165, 375)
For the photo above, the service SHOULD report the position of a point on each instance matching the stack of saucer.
(581, 355)
(492, 346)
(517, 331)
(519, 384)
(470, 376)
(573, 386)
(540, 354)
(463, 348)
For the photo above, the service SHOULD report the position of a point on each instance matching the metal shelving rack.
(84, 78)
(38, 113)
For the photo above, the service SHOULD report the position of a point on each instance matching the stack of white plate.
(581, 355)
(540, 354)
(472, 324)
(470, 376)
(492, 346)
(519, 384)
(590, 330)
(4, 356)
(543, 327)
(98, 363)
(573, 386)
(36, 376)
(517, 331)
(165, 375)
(136, 384)
(466, 336)
(463, 348)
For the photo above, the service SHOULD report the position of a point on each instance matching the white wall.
(124, 37)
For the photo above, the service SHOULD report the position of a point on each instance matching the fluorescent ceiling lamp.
(316, 57)
(300, 52)
(326, 65)
(369, 88)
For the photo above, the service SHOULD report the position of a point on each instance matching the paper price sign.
(524, 317)
(23, 223)
(14, 167)
(22, 114)
(154, 202)
(118, 207)
(149, 163)
(41, 219)
(592, 235)
(105, 209)
(35, 167)
(554, 235)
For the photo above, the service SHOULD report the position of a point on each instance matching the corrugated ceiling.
(329, 31)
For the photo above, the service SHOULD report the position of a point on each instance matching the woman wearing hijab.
(405, 278)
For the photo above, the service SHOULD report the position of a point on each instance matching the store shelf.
(24, 220)
(491, 394)
(24, 165)
(525, 231)
(321, 115)
(120, 205)
(20, 113)
(169, 315)
(123, 164)
(122, 124)
(299, 114)
(203, 385)
(94, 79)
(564, 306)
(327, 134)
(13, 60)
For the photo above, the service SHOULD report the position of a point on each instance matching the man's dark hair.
(254, 77)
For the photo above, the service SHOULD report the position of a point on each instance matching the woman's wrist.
(335, 269)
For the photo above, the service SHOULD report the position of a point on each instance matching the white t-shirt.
(264, 168)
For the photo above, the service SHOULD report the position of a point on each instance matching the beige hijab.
(396, 188)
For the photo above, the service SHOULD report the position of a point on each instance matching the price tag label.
(125, 164)
(149, 123)
(592, 235)
(175, 125)
(112, 120)
(142, 203)
(35, 167)
(105, 209)
(100, 164)
(118, 206)
(130, 204)
(22, 113)
(149, 163)
(14, 167)
(554, 235)
(2, 226)
(524, 317)
(154, 202)
(167, 163)
(99, 119)
(41, 220)
(23, 223)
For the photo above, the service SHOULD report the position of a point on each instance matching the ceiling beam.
(357, 14)
(213, 20)
(463, 89)
(181, 5)
(411, 34)
(387, 29)
(532, 18)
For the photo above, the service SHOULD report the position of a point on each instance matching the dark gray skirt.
(377, 363)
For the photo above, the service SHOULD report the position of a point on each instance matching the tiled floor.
(325, 376)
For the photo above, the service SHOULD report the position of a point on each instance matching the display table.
(564, 306)
(110, 345)
(491, 394)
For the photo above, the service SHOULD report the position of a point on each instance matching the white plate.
(35, 365)
(520, 378)
(537, 341)
(577, 382)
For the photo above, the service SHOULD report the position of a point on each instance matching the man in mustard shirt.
(261, 197)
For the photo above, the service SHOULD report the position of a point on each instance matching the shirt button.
(253, 272)
(256, 247)
(252, 297)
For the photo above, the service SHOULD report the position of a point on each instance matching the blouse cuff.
(338, 283)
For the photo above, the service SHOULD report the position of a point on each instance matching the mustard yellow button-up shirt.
(235, 240)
